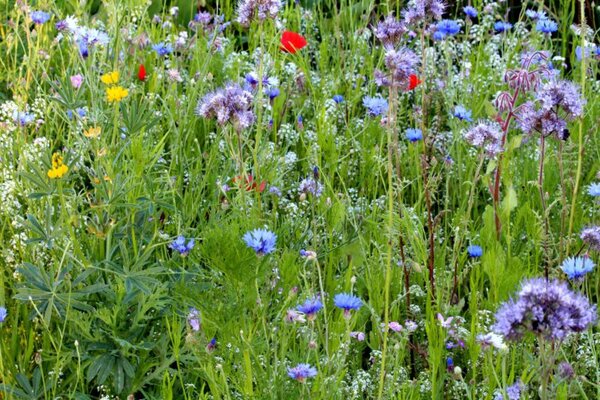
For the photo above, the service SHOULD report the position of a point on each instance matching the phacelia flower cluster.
(591, 237)
(389, 31)
(400, 64)
(420, 10)
(487, 135)
(546, 308)
(248, 10)
(229, 104)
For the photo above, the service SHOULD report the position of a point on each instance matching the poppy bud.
(142, 73)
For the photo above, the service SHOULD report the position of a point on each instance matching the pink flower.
(76, 81)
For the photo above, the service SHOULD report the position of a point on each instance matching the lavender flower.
(395, 326)
(487, 135)
(262, 9)
(40, 17)
(591, 237)
(419, 10)
(545, 308)
(312, 186)
(470, 12)
(3, 314)
(229, 104)
(577, 267)
(360, 336)
(462, 113)
(180, 245)
(194, 319)
(375, 105)
(301, 372)
(310, 308)
(347, 302)
(389, 31)
(261, 241)
(546, 26)
(414, 134)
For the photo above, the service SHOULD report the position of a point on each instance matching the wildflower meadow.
(299, 199)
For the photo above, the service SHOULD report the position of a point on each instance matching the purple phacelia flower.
(546, 308)
(591, 237)
(181, 246)
(310, 186)
(248, 10)
(419, 10)
(389, 31)
(194, 319)
(400, 64)
(261, 241)
(301, 372)
(229, 104)
(487, 135)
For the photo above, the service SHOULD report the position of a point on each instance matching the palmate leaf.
(53, 294)
(107, 365)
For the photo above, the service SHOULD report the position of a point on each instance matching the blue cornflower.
(447, 27)
(273, 92)
(536, 15)
(471, 12)
(594, 189)
(261, 241)
(3, 314)
(302, 371)
(546, 26)
(163, 49)
(474, 251)
(588, 51)
(338, 98)
(577, 267)
(23, 118)
(310, 307)
(414, 134)
(180, 245)
(502, 26)
(347, 302)
(375, 105)
(462, 113)
(40, 17)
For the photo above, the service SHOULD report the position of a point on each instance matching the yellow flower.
(58, 169)
(110, 78)
(93, 132)
(116, 93)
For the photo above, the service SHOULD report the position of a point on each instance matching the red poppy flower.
(413, 82)
(291, 42)
(251, 184)
(141, 73)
